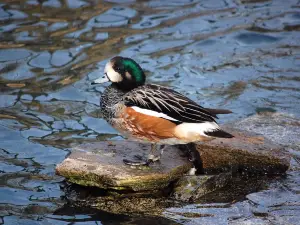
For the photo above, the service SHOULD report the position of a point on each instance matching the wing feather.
(169, 102)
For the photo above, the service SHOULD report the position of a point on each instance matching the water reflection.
(239, 55)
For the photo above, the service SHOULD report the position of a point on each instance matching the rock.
(280, 128)
(101, 165)
(247, 151)
(110, 217)
(191, 188)
(133, 205)
(118, 202)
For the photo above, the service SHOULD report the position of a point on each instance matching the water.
(240, 55)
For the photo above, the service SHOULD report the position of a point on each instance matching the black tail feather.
(218, 111)
(219, 134)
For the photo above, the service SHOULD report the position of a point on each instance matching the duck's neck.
(111, 96)
(126, 85)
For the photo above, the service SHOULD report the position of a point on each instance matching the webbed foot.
(140, 162)
(151, 158)
(135, 163)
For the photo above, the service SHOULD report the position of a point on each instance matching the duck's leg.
(162, 148)
(193, 156)
(152, 157)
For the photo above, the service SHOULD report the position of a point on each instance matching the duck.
(152, 113)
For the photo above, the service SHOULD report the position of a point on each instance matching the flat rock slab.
(247, 151)
(101, 165)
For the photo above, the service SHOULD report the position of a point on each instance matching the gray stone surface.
(247, 151)
(101, 164)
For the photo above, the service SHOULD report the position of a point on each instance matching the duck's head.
(125, 73)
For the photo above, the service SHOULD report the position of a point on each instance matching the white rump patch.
(152, 113)
(111, 73)
(186, 129)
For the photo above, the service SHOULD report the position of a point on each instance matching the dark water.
(238, 54)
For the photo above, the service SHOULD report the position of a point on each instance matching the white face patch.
(112, 75)
(152, 113)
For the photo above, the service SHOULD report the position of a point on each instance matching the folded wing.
(168, 104)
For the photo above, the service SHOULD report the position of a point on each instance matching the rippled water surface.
(237, 54)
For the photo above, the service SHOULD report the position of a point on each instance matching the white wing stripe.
(152, 113)
(165, 100)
